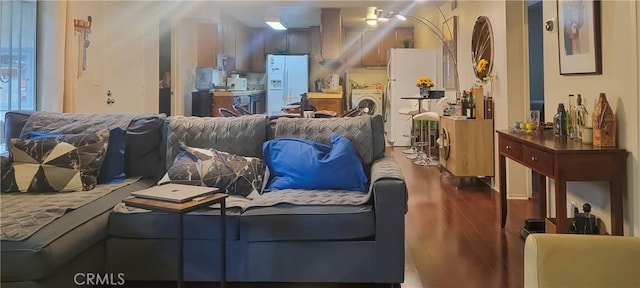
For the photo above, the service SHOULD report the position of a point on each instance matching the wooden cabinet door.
(331, 28)
(299, 41)
(316, 43)
(207, 49)
(352, 48)
(387, 41)
(256, 49)
(228, 38)
(370, 49)
(242, 49)
(275, 42)
(329, 104)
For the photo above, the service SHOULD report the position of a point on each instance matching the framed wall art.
(579, 38)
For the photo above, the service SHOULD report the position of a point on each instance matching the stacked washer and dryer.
(369, 100)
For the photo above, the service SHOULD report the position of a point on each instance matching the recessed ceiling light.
(275, 23)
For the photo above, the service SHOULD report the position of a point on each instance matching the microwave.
(237, 83)
(208, 78)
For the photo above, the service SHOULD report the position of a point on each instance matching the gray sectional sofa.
(348, 239)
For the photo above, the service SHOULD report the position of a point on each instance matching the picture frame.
(579, 38)
(450, 36)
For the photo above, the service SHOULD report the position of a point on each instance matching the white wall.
(508, 106)
(619, 80)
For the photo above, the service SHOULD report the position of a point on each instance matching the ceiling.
(303, 14)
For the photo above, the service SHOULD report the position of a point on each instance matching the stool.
(411, 112)
(432, 116)
(422, 160)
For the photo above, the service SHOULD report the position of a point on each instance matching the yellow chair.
(570, 260)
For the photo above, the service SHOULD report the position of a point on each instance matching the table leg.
(180, 249)
(617, 188)
(542, 185)
(223, 243)
(502, 164)
(561, 206)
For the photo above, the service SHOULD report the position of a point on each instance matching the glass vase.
(424, 92)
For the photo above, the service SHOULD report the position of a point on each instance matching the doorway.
(536, 70)
(164, 102)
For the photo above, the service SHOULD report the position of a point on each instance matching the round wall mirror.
(482, 47)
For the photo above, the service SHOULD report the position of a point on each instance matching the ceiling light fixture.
(275, 23)
(383, 16)
(372, 17)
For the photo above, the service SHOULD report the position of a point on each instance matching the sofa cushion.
(232, 174)
(303, 164)
(201, 224)
(356, 129)
(112, 170)
(286, 222)
(63, 239)
(237, 135)
(7, 175)
(62, 163)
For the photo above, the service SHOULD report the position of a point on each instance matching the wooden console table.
(564, 160)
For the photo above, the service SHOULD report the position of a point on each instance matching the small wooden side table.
(183, 208)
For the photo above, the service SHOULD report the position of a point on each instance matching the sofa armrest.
(569, 260)
(387, 183)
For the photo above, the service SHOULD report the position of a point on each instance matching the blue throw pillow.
(112, 169)
(303, 164)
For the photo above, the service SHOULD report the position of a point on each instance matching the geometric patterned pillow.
(62, 163)
(232, 174)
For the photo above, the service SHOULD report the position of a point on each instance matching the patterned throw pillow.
(62, 163)
(7, 178)
(232, 174)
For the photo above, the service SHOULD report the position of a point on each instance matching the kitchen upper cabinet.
(275, 41)
(316, 43)
(352, 48)
(242, 49)
(375, 46)
(207, 46)
(228, 37)
(331, 33)
(299, 41)
(256, 48)
(370, 49)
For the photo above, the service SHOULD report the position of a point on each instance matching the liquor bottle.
(604, 123)
(464, 103)
(571, 119)
(471, 107)
(560, 121)
(581, 116)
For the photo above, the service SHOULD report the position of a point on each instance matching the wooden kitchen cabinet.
(207, 46)
(299, 41)
(242, 49)
(228, 37)
(370, 49)
(375, 47)
(329, 104)
(256, 42)
(331, 32)
(275, 41)
(352, 48)
(468, 146)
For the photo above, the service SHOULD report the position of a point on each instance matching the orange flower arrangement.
(424, 82)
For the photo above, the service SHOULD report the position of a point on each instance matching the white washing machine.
(370, 100)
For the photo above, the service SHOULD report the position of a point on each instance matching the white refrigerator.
(287, 78)
(403, 70)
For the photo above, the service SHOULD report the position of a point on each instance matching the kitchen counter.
(237, 93)
(321, 95)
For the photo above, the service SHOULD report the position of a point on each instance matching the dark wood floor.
(453, 235)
